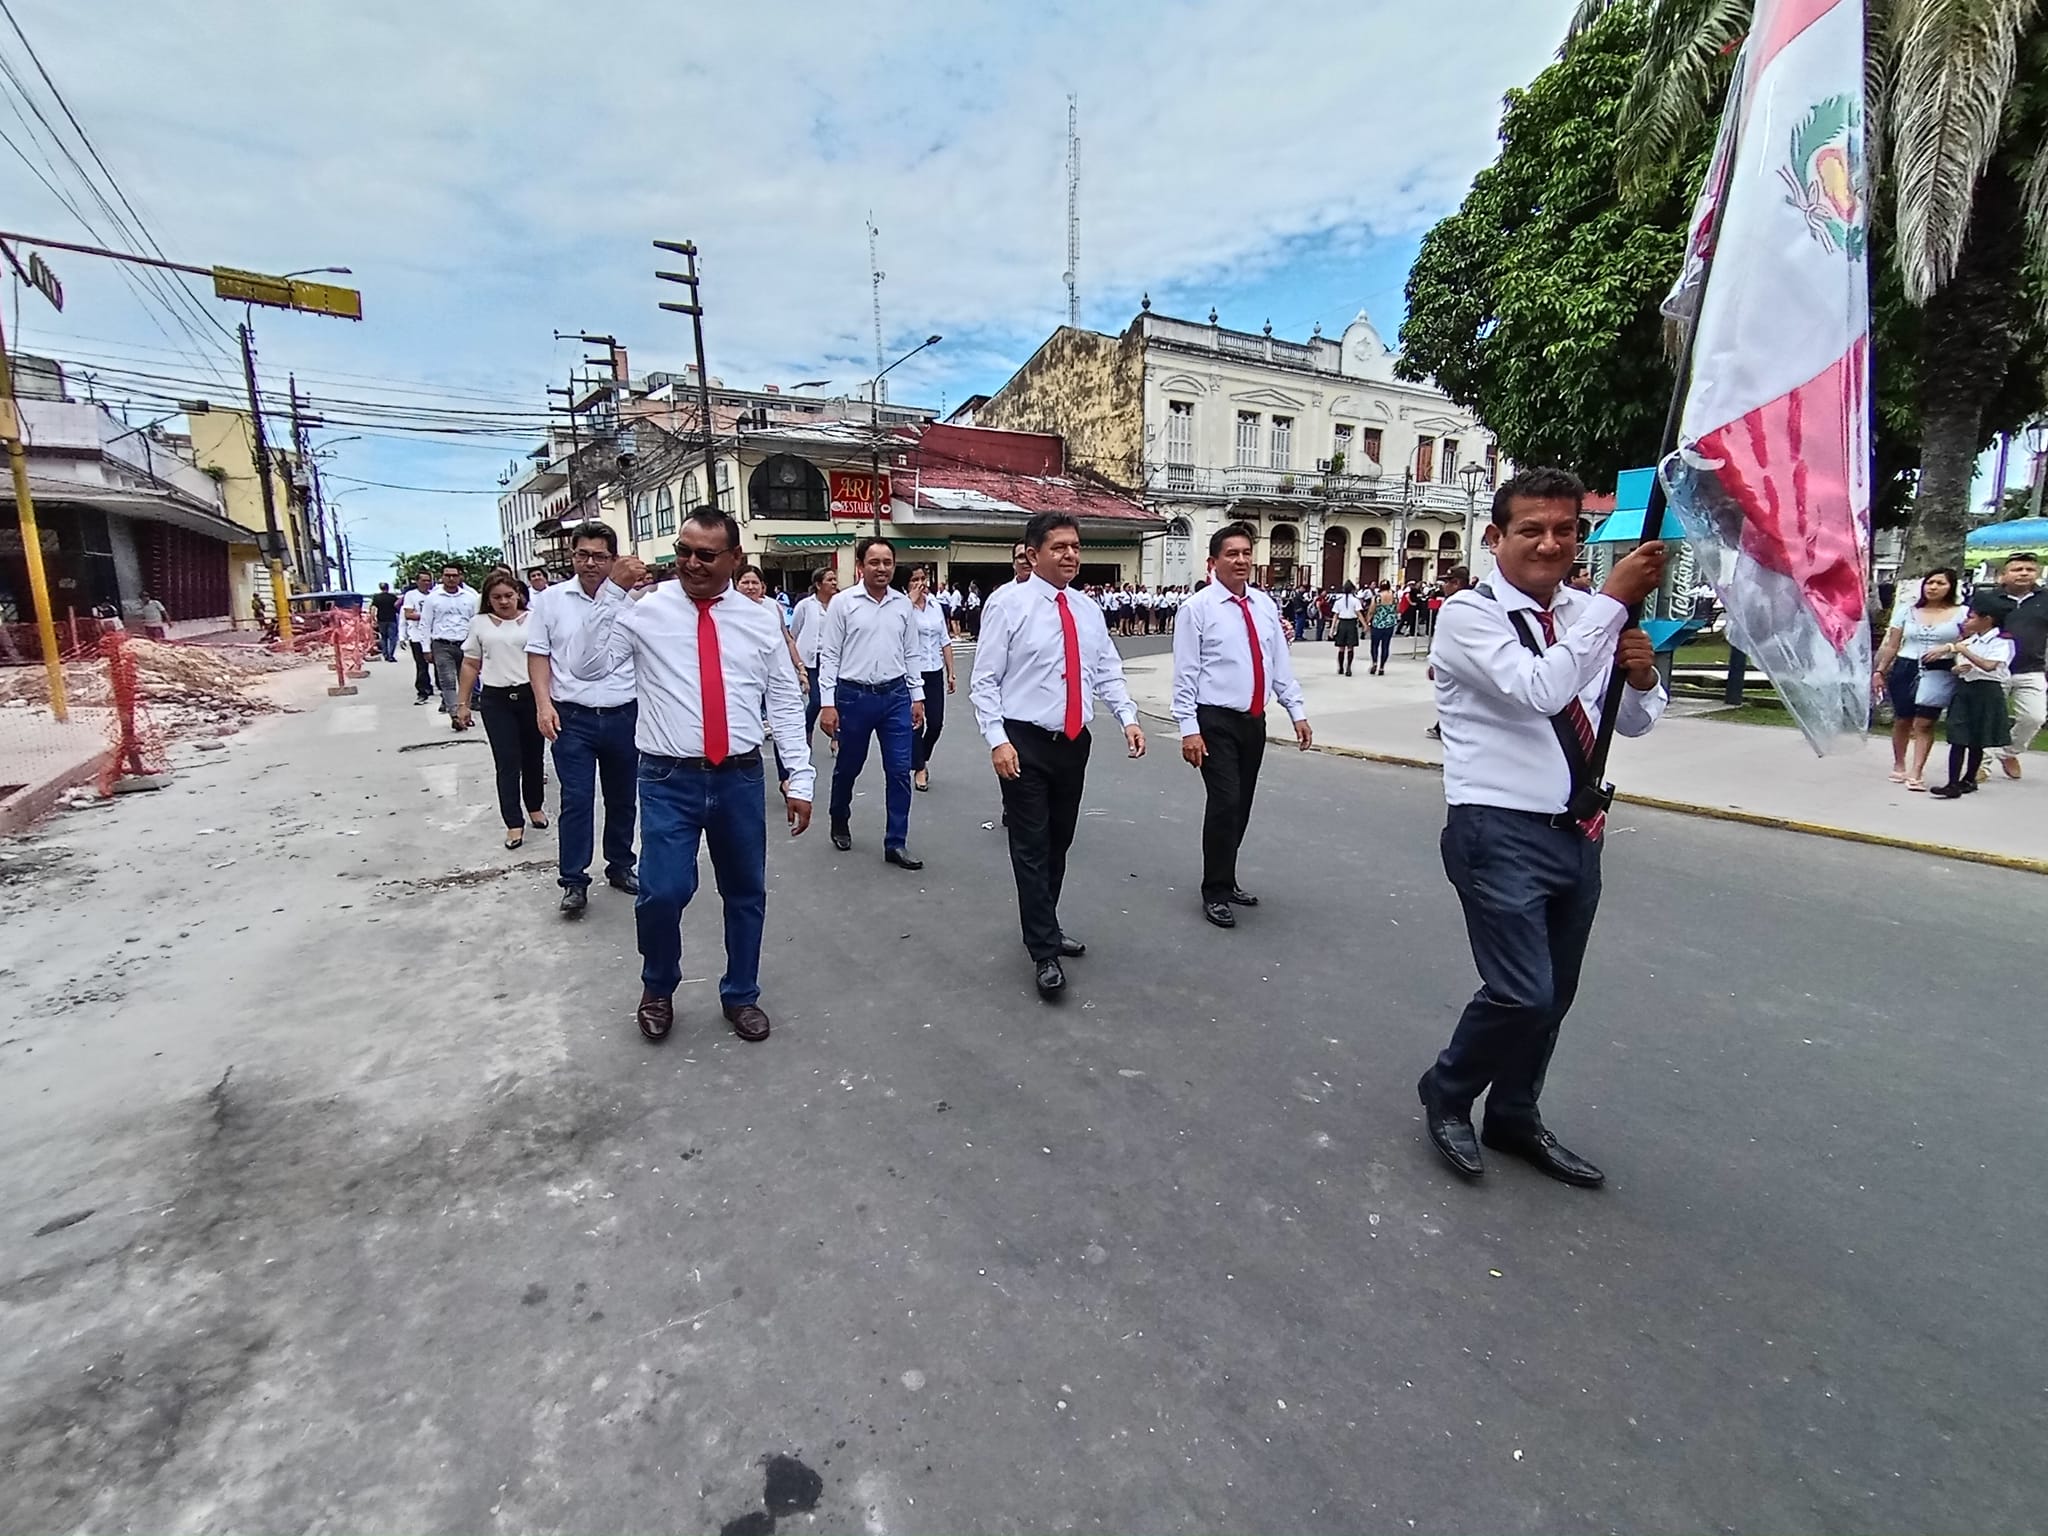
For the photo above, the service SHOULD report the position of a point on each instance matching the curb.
(28, 805)
(1722, 813)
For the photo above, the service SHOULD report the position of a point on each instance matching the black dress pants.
(422, 669)
(517, 749)
(1529, 891)
(1043, 806)
(1236, 743)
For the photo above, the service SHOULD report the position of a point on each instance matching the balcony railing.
(1252, 483)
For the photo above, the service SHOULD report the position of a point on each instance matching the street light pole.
(274, 539)
(875, 428)
(1471, 474)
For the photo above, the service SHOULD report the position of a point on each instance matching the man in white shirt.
(709, 667)
(1521, 668)
(1044, 652)
(412, 633)
(1229, 655)
(591, 724)
(871, 684)
(807, 623)
(445, 613)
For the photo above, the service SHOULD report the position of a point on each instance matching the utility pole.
(273, 551)
(316, 523)
(31, 538)
(687, 249)
(876, 274)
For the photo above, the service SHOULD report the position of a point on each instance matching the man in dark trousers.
(1521, 666)
(2027, 627)
(1044, 654)
(871, 686)
(1229, 655)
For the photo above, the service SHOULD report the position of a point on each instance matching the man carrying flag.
(1521, 666)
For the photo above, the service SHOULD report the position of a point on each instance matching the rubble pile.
(186, 688)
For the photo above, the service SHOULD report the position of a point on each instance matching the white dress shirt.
(807, 623)
(445, 615)
(1011, 586)
(1212, 656)
(1347, 605)
(1020, 666)
(1494, 698)
(932, 636)
(500, 644)
(567, 609)
(869, 640)
(414, 628)
(658, 635)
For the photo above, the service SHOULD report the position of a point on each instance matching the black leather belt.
(745, 759)
(594, 709)
(888, 687)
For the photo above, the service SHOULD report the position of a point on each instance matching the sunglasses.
(701, 556)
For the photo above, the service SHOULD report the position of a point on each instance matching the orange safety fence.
(136, 745)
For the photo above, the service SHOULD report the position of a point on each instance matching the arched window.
(1285, 551)
(1417, 539)
(664, 512)
(692, 496)
(1178, 563)
(1447, 541)
(643, 516)
(1373, 538)
(786, 486)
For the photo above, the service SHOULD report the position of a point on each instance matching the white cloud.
(494, 171)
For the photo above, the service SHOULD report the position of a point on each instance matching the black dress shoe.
(1073, 949)
(1450, 1134)
(1051, 979)
(901, 858)
(1239, 898)
(655, 1016)
(574, 899)
(1539, 1147)
(748, 1021)
(842, 838)
(625, 880)
(1219, 913)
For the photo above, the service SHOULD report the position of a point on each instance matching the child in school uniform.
(1976, 713)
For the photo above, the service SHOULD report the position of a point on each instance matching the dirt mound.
(183, 686)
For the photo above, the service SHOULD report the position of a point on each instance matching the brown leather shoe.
(748, 1021)
(656, 1016)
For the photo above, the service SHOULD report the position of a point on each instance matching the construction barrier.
(137, 756)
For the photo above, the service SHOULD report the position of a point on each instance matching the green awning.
(813, 540)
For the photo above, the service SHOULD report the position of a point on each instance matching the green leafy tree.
(476, 563)
(1958, 96)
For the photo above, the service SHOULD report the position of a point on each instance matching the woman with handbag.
(1918, 692)
(495, 650)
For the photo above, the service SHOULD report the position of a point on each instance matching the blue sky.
(493, 172)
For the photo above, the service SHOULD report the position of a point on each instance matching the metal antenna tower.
(880, 389)
(1073, 271)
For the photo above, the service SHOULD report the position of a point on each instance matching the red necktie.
(1251, 633)
(711, 683)
(1581, 724)
(1070, 639)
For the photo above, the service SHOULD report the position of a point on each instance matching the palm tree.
(1957, 92)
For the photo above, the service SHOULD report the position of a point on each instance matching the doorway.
(1336, 545)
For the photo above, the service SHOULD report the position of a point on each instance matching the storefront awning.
(783, 541)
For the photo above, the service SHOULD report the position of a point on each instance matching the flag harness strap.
(1587, 799)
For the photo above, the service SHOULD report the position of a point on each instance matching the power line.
(432, 490)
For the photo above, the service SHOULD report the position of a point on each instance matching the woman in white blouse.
(496, 647)
(936, 647)
(1918, 694)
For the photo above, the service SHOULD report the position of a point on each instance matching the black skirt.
(1347, 633)
(1977, 716)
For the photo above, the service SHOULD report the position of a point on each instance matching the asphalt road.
(397, 1224)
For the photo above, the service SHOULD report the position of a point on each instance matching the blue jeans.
(864, 713)
(1529, 891)
(595, 748)
(1382, 647)
(727, 807)
(387, 639)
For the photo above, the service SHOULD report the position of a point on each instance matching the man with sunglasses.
(709, 668)
(590, 722)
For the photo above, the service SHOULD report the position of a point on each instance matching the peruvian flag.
(1771, 477)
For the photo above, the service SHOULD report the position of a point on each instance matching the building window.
(1448, 471)
(1247, 439)
(1370, 444)
(786, 486)
(1180, 432)
(1425, 460)
(643, 517)
(1492, 466)
(1340, 451)
(1283, 442)
(725, 485)
(664, 511)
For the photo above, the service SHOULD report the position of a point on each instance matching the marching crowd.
(659, 698)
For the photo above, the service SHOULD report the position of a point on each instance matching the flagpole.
(1674, 415)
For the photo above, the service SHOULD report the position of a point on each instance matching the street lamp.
(875, 426)
(1472, 474)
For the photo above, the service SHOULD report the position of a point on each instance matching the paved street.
(396, 1224)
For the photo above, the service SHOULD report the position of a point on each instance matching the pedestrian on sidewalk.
(154, 618)
(2027, 627)
(807, 623)
(871, 686)
(1346, 608)
(936, 659)
(445, 613)
(384, 610)
(1045, 651)
(707, 666)
(1386, 617)
(1977, 720)
(412, 632)
(494, 651)
(591, 722)
(1229, 655)
(1521, 675)
(1917, 696)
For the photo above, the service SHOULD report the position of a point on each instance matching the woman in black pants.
(937, 665)
(496, 648)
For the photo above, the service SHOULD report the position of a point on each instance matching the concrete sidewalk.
(1763, 775)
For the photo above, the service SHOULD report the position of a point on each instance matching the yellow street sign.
(287, 293)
